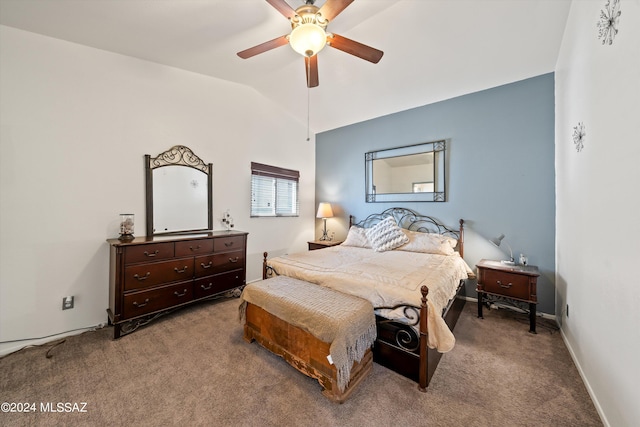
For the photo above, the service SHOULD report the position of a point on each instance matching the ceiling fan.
(308, 35)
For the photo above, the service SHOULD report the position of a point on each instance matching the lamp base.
(325, 236)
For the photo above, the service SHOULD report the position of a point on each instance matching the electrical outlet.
(67, 302)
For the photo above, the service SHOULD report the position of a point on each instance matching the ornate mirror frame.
(178, 155)
(437, 148)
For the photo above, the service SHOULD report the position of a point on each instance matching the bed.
(413, 277)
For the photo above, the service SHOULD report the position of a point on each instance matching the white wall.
(75, 123)
(598, 205)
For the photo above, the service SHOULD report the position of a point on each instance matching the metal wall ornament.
(579, 134)
(608, 23)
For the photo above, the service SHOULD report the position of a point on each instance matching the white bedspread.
(385, 279)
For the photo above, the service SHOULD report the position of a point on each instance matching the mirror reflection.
(179, 199)
(179, 192)
(404, 174)
(414, 173)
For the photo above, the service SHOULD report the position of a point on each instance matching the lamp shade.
(324, 211)
(497, 240)
(308, 39)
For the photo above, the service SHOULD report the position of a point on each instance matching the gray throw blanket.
(347, 322)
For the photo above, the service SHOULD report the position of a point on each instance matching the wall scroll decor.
(579, 134)
(608, 23)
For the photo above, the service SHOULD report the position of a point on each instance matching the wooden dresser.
(148, 276)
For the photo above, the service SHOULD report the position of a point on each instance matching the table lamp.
(496, 241)
(324, 212)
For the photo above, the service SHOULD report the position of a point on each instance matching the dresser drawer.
(226, 244)
(152, 274)
(507, 284)
(219, 283)
(218, 263)
(194, 247)
(147, 253)
(138, 303)
(228, 261)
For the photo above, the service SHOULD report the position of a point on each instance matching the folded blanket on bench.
(344, 321)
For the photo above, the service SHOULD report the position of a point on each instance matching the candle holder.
(227, 220)
(126, 227)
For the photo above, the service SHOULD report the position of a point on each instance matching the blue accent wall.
(500, 171)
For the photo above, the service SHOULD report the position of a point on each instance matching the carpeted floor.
(193, 368)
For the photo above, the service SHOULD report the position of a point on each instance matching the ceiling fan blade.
(311, 70)
(332, 8)
(354, 48)
(263, 47)
(282, 7)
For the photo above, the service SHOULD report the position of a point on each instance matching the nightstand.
(514, 282)
(321, 244)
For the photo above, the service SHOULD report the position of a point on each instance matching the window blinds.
(274, 191)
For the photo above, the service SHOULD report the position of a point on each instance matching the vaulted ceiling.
(433, 49)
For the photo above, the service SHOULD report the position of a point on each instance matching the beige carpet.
(193, 368)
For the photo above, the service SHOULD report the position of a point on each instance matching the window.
(274, 191)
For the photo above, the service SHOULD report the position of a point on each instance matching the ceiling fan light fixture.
(308, 39)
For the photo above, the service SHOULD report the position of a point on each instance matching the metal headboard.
(411, 220)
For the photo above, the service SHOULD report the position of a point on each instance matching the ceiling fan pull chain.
(308, 108)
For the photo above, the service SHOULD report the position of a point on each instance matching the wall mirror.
(179, 187)
(415, 173)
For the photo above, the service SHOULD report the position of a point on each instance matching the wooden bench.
(298, 346)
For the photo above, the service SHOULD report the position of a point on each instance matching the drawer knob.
(228, 244)
(233, 259)
(502, 285)
(146, 301)
(206, 288)
(181, 271)
(184, 292)
(203, 265)
(197, 248)
(151, 255)
(141, 278)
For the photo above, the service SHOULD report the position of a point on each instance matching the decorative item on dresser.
(150, 276)
(516, 283)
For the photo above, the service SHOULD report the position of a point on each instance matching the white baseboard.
(553, 317)
(594, 399)
(19, 345)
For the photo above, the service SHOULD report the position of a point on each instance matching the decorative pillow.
(386, 235)
(357, 237)
(429, 243)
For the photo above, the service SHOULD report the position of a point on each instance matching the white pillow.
(386, 235)
(429, 243)
(357, 237)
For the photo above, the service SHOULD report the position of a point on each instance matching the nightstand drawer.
(508, 284)
(321, 244)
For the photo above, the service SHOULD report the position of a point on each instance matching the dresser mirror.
(415, 173)
(179, 187)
